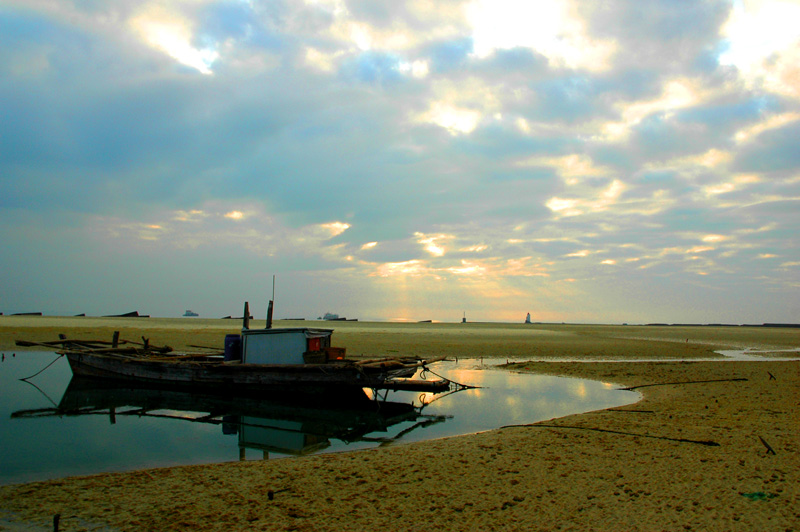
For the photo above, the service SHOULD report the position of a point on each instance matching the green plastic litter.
(759, 496)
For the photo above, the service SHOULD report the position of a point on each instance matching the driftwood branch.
(770, 450)
(271, 493)
(682, 382)
(188, 356)
(215, 348)
(708, 443)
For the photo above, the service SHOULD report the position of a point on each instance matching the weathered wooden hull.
(218, 374)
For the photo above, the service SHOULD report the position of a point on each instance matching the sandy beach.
(713, 445)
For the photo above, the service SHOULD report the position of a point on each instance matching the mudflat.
(713, 445)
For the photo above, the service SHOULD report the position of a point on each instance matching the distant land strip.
(789, 325)
(135, 314)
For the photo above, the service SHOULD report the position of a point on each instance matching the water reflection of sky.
(513, 398)
(34, 448)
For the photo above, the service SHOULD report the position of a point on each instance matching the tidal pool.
(54, 426)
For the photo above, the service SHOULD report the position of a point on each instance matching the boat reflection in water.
(294, 425)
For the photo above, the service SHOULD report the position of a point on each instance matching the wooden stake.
(769, 448)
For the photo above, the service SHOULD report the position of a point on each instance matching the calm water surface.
(63, 427)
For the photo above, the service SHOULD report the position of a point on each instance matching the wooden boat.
(269, 360)
(212, 370)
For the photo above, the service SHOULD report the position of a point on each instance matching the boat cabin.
(285, 346)
(281, 345)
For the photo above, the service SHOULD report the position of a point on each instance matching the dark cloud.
(664, 136)
(568, 99)
(373, 67)
(419, 17)
(672, 36)
(227, 20)
(772, 151)
(448, 55)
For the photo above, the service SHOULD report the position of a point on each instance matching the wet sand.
(691, 455)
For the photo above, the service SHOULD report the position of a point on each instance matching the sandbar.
(713, 445)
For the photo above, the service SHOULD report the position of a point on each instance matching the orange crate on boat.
(335, 353)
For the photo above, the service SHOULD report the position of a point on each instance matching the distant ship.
(190, 313)
(335, 317)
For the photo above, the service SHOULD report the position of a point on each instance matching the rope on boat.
(423, 397)
(44, 368)
(41, 392)
(458, 385)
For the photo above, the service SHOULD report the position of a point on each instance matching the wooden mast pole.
(271, 302)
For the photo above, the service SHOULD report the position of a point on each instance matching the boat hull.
(218, 374)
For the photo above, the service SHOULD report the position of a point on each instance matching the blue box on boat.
(233, 347)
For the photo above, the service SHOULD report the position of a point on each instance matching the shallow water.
(729, 355)
(53, 426)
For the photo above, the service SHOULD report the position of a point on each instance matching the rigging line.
(426, 369)
(41, 391)
(41, 370)
(423, 396)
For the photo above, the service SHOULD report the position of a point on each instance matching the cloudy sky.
(619, 161)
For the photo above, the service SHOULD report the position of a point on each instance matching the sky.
(588, 162)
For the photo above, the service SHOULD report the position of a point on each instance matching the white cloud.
(475, 248)
(391, 269)
(193, 215)
(581, 253)
(173, 34)
(552, 28)
(335, 228)
(676, 94)
(320, 60)
(454, 119)
(418, 69)
(572, 168)
(737, 183)
(204, 227)
(713, 158)
(764, 44)
(433, 244)
(771, 122)
(234, 215)
(604, 199)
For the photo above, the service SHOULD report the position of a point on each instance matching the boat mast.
(271, 302)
